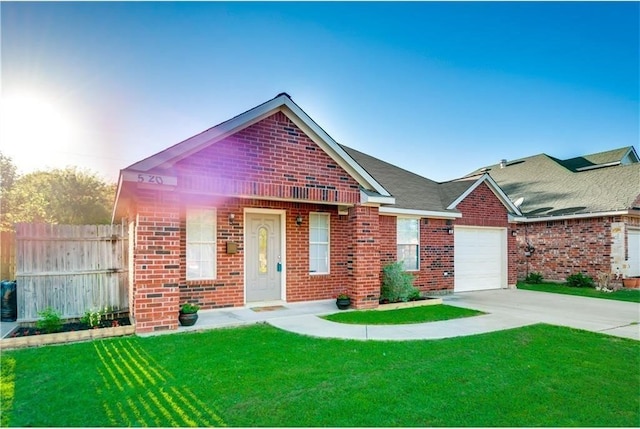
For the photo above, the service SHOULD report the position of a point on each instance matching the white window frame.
(417, 245)
(327, 216)
(192, 241)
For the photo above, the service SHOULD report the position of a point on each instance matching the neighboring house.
(266, 207)
(578, 215)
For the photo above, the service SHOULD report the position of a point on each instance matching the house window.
(319, 243)
(201, 244)
(408, 243)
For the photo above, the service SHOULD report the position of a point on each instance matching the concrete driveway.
(606, 316)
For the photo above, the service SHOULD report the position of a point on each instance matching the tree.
(61, 196)
(7, 179)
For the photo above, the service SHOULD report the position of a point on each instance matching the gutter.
(391, 211)
(524, 219)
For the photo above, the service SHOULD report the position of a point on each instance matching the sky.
(439, 89)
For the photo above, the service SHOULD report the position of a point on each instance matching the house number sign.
(150, 179)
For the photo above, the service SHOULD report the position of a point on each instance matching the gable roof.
(417, 195)
(283, 103)
(551, 187)
(371, 190)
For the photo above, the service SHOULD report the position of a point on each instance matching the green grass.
(429, 313)
(631, 295)
(538, 375)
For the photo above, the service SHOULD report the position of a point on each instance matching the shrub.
(50, 321)
(92, 318)
(579, 280)
(534, 278)
(397, 284)
(188, 308)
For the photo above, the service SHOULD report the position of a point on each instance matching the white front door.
(263, 257)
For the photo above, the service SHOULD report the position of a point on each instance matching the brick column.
(156, 262)
(365, 257)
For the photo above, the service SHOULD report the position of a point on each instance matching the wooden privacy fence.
(7, 255)
(70, 268)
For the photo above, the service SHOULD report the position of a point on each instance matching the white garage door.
(634, 252)
(480, 258)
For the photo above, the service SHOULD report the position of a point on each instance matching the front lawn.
(428, 313)
(260, 376)
(631, 295)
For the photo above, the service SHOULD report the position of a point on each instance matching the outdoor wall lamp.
(450, 230)
(232, 217)
(514, 232)
(299, 220)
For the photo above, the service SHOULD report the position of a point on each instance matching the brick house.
(578, 215)
(266, 207)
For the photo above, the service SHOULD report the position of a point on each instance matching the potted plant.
(188, 314)
(343, 301)
(631, 282)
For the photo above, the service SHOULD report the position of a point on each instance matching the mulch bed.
(71, 327)
(422, 298)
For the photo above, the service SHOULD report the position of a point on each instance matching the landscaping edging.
(409, 304)
(65, 337)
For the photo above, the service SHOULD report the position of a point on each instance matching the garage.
(480, 261)
(634, 252)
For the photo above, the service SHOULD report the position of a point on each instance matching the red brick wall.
(388, 240)
(302, 285)
(227, 290)
(436, 256)
(271, 158)
(364, 256)
(566, 247)
(436, 252)
(156, 262)
(483, 208)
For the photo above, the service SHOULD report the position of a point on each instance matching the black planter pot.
(343, 303)
(187, 319)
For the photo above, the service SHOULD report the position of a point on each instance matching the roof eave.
(375, 199)
(396, 211)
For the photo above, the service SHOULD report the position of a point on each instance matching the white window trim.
(328, 243)
(407, 244)
(213, 243)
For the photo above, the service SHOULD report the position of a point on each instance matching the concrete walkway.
(507, 308)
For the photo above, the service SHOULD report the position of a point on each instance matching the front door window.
(262, 250)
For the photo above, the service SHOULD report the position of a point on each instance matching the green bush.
(579, 280)
(534, 278)
(50, 321)
(188, 308)
(397, 284)
(92, 318)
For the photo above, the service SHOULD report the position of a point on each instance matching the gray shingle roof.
(410, 190)
(600, 158)
(552, 187)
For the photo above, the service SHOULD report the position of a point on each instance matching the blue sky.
(439, 89)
